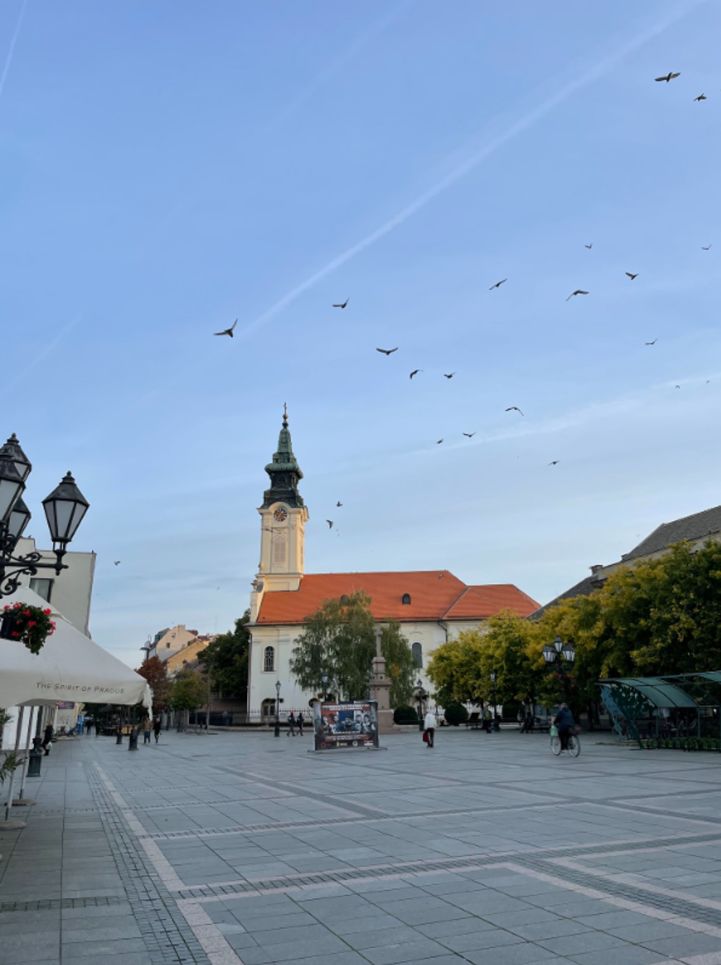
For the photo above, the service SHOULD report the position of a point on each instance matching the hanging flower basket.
(27, 624)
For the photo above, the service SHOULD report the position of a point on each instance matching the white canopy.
(70, 666)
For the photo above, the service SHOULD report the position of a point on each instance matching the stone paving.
(235, 847)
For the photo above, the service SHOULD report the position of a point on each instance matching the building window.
(269, 660)
(43, 588)
(267, 708)
(167, 646)
(417, 654)
(406, 599)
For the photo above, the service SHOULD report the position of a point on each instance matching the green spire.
(284, 471)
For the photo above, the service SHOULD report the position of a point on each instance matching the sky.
(166, 168)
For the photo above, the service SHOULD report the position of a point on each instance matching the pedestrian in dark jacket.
(299, 721)
(565, 723)
(156, 729)
(47, 739)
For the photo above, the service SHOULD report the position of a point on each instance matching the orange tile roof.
(435, 595)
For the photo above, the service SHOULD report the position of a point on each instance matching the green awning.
(657, 691)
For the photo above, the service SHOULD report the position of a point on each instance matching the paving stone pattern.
(233, 847)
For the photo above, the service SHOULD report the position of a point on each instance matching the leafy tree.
(339, 641)
(226, 660)
(188, 691)
(156, 673)
(456, 669)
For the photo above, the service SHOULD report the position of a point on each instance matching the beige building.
(188, 655)
(695, 530)
(431, 606)
(70, 590)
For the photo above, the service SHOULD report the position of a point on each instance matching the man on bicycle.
(565, 723)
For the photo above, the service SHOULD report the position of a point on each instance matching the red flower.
(47, 612)
(15, 635)
(32, 623)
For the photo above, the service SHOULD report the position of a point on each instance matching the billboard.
(337, 726)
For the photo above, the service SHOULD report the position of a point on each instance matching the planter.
(7, 625)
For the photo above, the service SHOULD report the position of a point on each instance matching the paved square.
(240, 847)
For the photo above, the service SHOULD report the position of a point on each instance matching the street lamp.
(493, 682)
(277, 709)
(560, 653)
(421, 696)
(64, 508)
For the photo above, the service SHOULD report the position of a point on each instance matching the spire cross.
(285, 416)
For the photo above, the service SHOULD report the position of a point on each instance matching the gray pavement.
(235, 847)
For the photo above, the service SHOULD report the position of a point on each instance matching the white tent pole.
(9, 802)
(23, 773)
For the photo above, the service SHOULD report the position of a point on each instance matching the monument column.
(380, 688)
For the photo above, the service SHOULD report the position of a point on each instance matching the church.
(431, 606)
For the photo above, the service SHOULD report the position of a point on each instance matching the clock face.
(280, 514)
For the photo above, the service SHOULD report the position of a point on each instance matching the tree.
(226, 660)
(188, 692)
(339, 642)
(156, 673)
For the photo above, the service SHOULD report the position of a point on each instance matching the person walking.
(291, 725)
(156, 729)
(147, 727)
(429, 728)
(299, 721)
(47, 739)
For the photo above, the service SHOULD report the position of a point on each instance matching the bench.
(474, 720)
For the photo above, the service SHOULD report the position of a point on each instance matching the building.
(188, 656)
(169, 642)
(695, 529)
(431, 606)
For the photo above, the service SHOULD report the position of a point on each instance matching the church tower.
(283, 516)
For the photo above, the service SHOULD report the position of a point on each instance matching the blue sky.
(168, 167)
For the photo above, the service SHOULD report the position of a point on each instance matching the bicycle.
(573, 746)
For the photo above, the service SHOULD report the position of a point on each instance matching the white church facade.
(431, 606)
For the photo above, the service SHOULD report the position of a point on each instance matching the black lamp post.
(493, 713)
(277, 709)
(421, 696)
(64, 508)
(559, 654)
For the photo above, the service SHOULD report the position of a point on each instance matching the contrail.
(41, 355)
(11, 48)
(471, 162)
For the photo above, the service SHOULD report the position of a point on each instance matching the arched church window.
(406, 599)
(269, 659)
(417, 654)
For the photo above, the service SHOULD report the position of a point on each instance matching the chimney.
(595, 568)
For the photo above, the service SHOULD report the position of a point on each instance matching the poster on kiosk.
(343, 726)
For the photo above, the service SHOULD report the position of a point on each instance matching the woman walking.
(429, 728)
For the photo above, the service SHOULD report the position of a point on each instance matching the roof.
(434, 595)
(694, 527)
(585, 587)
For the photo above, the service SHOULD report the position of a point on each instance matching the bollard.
(133, 739)
(35, 757)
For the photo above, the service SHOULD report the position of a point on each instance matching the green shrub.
(455, 714)
(405, 715)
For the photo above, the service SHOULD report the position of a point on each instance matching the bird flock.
(576, 293)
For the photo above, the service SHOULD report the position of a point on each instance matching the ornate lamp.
(13, 450)
(549, 653)
(569, 652)
(11, 485)
(64, 509)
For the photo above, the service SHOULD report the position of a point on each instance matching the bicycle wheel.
(556, 745)
(574, 746)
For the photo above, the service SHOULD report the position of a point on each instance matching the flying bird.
(339, 503)
(651, 343)
(342, 304)
(631, 274)
(677, 386)
(448, 375)
(117, 562)
(228, 331)
(469, 435)
(589, 246)
(414, 372)
(498, 284)
(578, 291)
(513, 408)
(671, 75)
(387, 351)
(330, 523)
(701, 97)
(705, 247)
(438, 442)
(553, 462)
